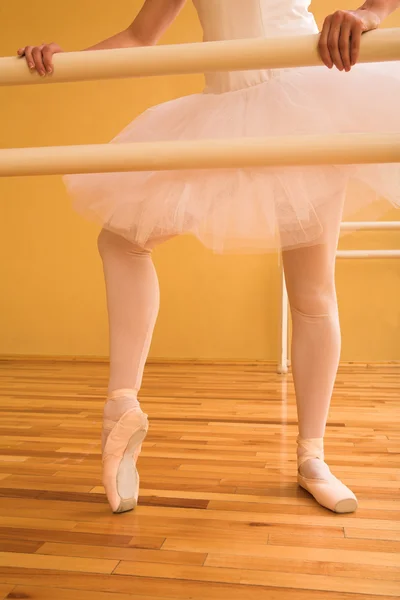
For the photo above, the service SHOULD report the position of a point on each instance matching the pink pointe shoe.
(120, 453)
(327, 491)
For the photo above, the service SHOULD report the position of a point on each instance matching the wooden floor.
(220, 515)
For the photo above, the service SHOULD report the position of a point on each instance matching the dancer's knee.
(315, 303)
(111, 243)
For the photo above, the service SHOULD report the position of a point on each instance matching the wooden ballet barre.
(370, 226)
(297, 150)
(368, 254)
(232, 55)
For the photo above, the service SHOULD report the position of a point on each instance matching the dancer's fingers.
(356, 34)
(27, 52)
(345, 41)
(323, 43)
(333, 39)
(40, 57)
(48, 51)
(38, 60)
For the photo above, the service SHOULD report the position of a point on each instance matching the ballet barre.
(229, 55)
(300, 150)
(284, 362)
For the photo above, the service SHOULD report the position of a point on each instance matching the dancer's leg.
(310, 278)
(133, 303)
(316, 339)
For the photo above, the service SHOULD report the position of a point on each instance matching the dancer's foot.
(315, 476)
(124, 429)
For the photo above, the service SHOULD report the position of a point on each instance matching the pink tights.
(133, 303)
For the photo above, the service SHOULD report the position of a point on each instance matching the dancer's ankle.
(310, 458)
(118, 403)
(122, 393)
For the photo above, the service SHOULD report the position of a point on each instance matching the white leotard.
(239, 19)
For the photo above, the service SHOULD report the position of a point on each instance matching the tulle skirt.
(252, 209)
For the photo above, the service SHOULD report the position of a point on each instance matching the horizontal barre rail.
(228, 55)
(370, 226)
(343, 149)
(368, 254)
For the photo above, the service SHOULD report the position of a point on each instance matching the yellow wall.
(52, 298)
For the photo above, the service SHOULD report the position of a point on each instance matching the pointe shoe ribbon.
(121, 431)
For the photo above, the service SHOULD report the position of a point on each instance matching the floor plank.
(5, 590)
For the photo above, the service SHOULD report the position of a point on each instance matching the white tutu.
(252, 208)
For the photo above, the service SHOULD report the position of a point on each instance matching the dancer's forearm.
(382, 8)
(124, 39)
(151, 22)
(147, 28)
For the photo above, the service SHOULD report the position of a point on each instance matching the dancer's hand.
(340, 38)
(40, 57)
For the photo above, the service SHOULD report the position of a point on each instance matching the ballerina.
(295, 209)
